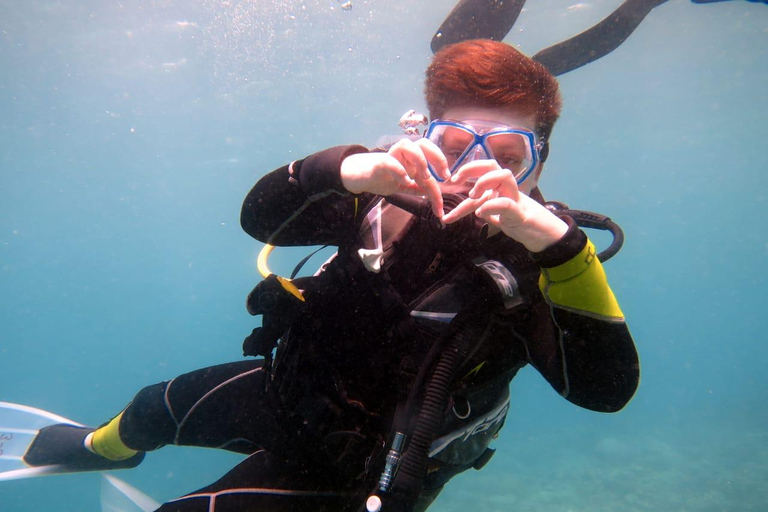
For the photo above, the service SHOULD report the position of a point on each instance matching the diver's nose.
(477, 153)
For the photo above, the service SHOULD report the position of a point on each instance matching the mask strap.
(544, 151)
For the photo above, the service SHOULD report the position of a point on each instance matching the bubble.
(240, 37)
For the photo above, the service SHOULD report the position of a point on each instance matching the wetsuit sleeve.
(588, 355)
(304, 203)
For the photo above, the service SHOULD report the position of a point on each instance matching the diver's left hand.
(496, 199)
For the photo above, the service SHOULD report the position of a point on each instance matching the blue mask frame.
(534, 145)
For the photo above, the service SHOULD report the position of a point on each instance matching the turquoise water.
(130, 133)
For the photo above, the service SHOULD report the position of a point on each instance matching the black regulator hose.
(592, 220)
(437, 374)
(413, 465)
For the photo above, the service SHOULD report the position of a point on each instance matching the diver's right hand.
(402, 169)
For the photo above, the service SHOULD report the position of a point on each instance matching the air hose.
(413, 465)
(592, 220)
(450, 351)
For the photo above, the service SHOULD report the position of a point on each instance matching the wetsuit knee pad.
(147, 424)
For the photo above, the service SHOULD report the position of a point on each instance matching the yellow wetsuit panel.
(580, 284)
(107, 443)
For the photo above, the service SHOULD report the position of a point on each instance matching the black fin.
(597, 41)
(62, 444)
(477, 19)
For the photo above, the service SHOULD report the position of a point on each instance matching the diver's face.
(456, 141)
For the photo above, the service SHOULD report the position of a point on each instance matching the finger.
(473, 170)
(399, 151)
(412, 188)
(501, 180)
(466, 207)
(431, 190)
(502, 212)
(435, 158)
(397, 172)
(415, 162)
(410, 155)
(403, 162)
(435, 196)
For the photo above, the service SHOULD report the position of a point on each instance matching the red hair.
(490, 74)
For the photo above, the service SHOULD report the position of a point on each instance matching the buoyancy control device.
(417, 418)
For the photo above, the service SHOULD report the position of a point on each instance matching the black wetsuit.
(317, 425)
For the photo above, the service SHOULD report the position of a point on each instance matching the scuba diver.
(393, 362)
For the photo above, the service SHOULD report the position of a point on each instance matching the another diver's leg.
(493, 19)
(477, 19)
(267, 482)
(713, 1)
(597, 41)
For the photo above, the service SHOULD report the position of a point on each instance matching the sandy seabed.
(703, 469)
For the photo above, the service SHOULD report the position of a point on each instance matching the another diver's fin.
(34, 442)
(597, 41)
(477, 19)
(713, 1)
(493, 19)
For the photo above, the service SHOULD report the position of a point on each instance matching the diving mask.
(516, 149)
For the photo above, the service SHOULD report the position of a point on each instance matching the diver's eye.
(512, 162)
(452, 154)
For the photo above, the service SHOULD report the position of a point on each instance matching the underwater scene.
(131, 132)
